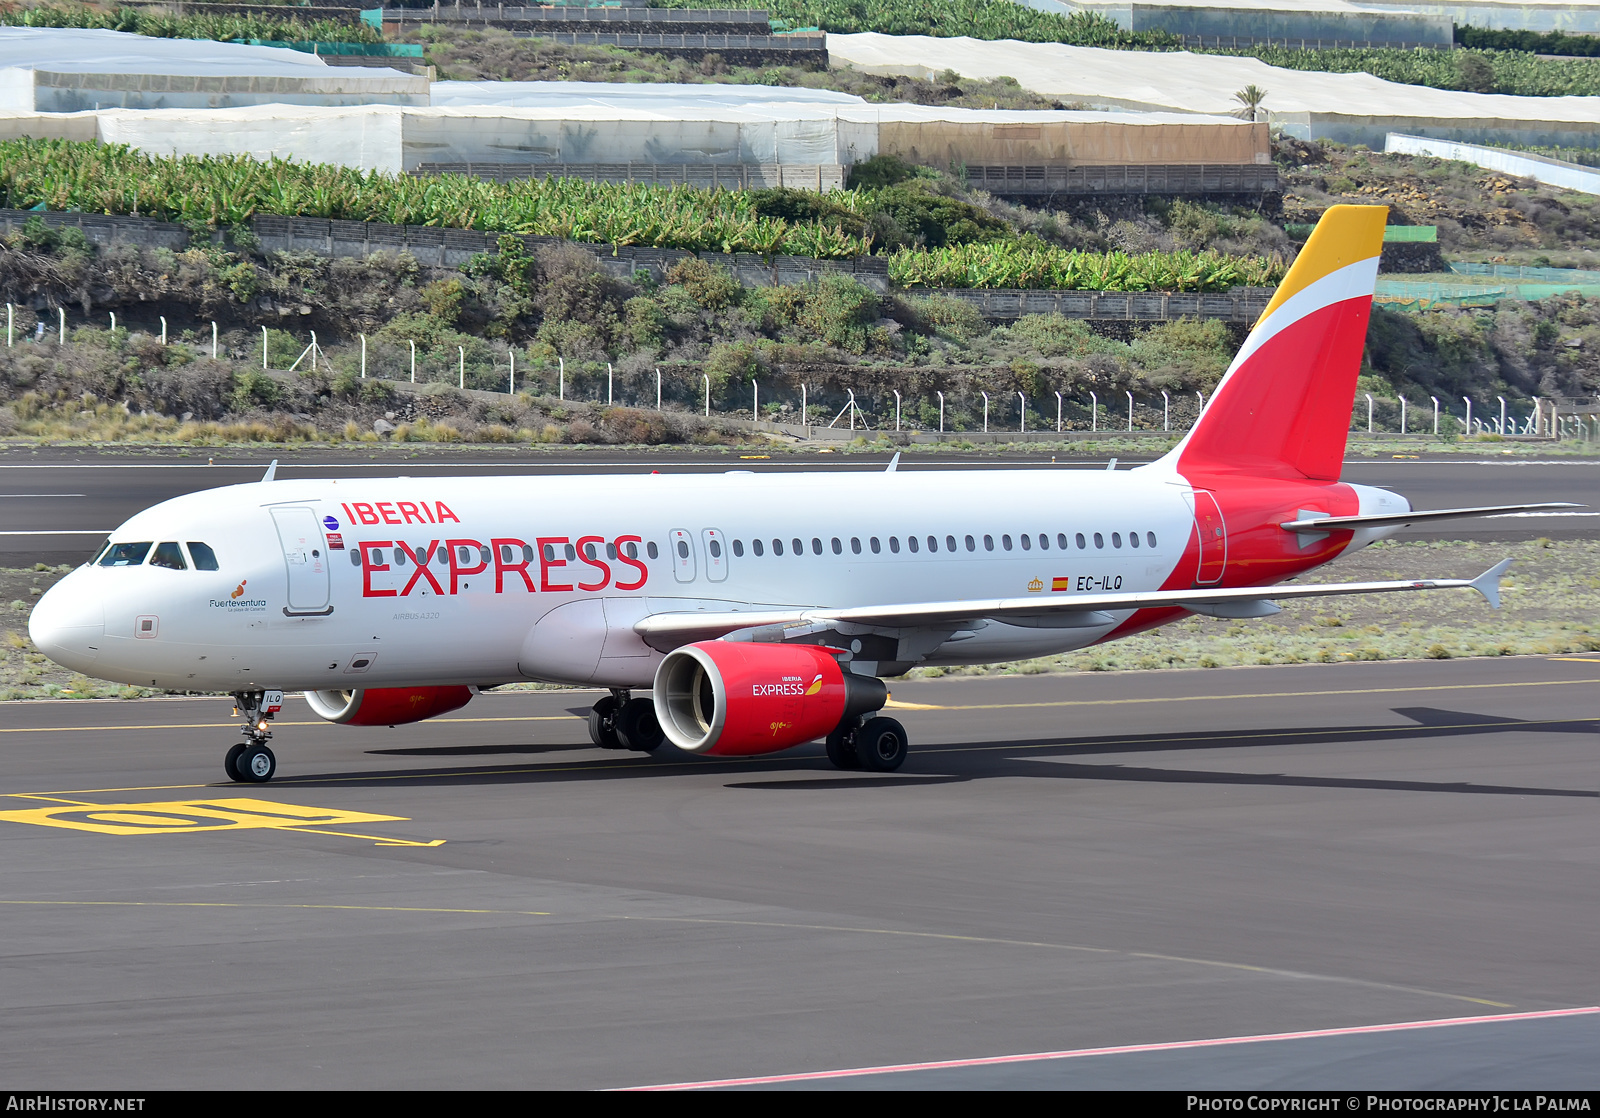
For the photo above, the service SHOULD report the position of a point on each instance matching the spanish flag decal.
(1059, 584)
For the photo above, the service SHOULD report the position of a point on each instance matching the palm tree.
(1250, 97)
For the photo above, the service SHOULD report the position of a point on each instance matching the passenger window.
(755, 546)
(441, 555)
(911, 542)
(355, 557)
(777, 547)
(125, 554)
(377, 555)
(972, 544)
(798, 547)
(738, 548)
(872, 542)
(1099, 540)
(1133, 539)
(611, 551)
(714, 547)
(949, 543)
(894, 544)
(816, 546)
(1061, 540)
(1044, 541)
(527, 552)
(1082, 543)
(683, 549)
(589, 552)
(1116, 539)
(838, 548)
(933, 543)
(169, 555)
(1005, 542)
(855, 545)
(651, 550)
(399, 556)
(1150, 538)
(204, 558)
(572, 554)
(1027, 541)
(988, 543)
(549, 553)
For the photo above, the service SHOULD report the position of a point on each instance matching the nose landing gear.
(250, 761)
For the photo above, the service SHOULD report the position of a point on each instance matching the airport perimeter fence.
(825, 406)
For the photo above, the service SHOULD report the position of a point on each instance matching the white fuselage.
(313, 589)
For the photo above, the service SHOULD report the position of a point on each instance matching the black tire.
(230, 762)
(256, 765)
(881, 745)
(603, 723)
(841, 748)
(637, 727)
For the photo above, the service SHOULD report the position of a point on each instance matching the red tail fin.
(1283, 409)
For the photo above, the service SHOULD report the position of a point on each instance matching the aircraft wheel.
(637, 727)
(256, 764)
(230, 762)
(881, 745)
(841, 748)
(603, 723)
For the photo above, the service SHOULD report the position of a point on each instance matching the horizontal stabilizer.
(1315, 523)
(669, 630)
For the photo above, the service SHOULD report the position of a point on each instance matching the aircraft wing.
(1076, 610)
(1318, 523)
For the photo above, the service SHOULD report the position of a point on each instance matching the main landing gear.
(251, 762)
(619, 721)
(876, 745)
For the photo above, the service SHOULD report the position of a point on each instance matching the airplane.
(761, 612)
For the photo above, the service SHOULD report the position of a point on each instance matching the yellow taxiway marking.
(235, 724)
(192, 816)
(1261, 695)
(845, 929)
(1578, 659)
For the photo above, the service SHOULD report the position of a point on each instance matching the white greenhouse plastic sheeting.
(66, 69)
(653, 96)
(1553, 172)
(1509, 14)
(1353, 108)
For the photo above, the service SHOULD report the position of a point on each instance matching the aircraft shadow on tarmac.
(944, 764)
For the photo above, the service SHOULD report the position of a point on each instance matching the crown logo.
(1035, 586)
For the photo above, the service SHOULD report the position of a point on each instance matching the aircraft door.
(1213, 539)
(682, 545)
(306, 556)
(716, 554)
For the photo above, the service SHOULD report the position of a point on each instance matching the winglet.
(1488, 583)
(272, 471)
(893, 462)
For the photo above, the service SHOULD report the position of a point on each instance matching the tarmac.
(1225, 879)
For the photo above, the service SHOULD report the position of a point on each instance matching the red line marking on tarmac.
(1170, 1046)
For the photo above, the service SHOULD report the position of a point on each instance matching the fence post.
(1201, 396)
(113, 321)
(11, 322)
(511, 385)
(658, 388)
(314, 348)
(1402, 415)
(363, 357)
(707, 379)
(755, 400)
(941, 413)
(263, 348)
(1369, 412)
(803, 403)
(1022, 418)
(1130, 409)
(985, 412)
(1469, 416)
(1435, 400)
(1501, 428)
(163, 326)
(1058, 413)
(1166, 411)
(608, 384)
(852, 392)
(897, 409)
(561, 379)
(213, 339)
(1094, 412)
(61, 330)
(461, 350)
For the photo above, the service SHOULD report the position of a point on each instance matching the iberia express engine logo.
(793, 685)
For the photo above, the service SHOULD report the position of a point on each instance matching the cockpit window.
(204, 558)
(100, 551)
(125, 554)
(169, 555)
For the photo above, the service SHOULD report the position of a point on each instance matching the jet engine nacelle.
(387, 706)
(734, 699)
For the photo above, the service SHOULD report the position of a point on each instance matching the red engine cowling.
(731, 699)
(387, 706)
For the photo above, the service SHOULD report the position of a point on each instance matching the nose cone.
(68, 624)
